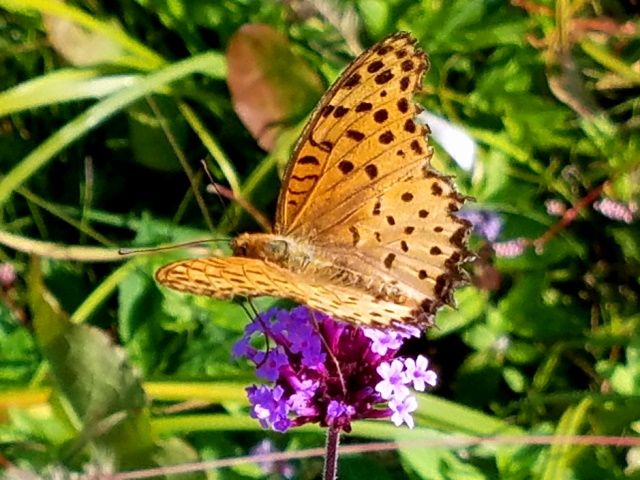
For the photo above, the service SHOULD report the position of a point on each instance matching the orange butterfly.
(365, 229)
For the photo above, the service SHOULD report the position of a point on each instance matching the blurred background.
(107, 110)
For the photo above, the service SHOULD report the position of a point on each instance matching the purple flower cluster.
(329, 372)
(486, 223)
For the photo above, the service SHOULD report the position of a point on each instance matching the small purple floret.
(393, 380)
(418, 374)
(269, 407)
(381, 341)
(329, 372)
(269, 367)
(402, 408)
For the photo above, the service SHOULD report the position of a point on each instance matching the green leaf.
(100, 391)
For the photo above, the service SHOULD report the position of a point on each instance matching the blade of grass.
(67, 85)
(142, 57)
(615, 64)
(104, 290)
(206, 63)
(212, 146)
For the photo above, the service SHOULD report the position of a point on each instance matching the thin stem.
(569, 216)
(331, 456)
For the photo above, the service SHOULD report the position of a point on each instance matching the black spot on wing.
(345, 166)
(381, 116)
(352, 81)
(386, 137)
(371, 170)
(374, 66)
(354, 135)
(340, 111)
(388, 261)
(383, 77)
(308, 160)
(363, 107)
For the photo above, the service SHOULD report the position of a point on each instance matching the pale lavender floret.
(402, 408)
(382, 341)
(510, 248)
(265, 447)
(555, 207)
(417, 372)
(622, 212)
(407, 331)
(393, 380)
(7, 274)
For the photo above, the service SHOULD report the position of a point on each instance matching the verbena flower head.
(328, 372)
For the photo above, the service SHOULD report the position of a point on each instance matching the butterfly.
(365, 228)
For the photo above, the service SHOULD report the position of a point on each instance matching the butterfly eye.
(240, 249)
(277, 249)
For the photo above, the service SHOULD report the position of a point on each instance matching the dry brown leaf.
(271, 87)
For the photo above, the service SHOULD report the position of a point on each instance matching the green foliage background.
(99, 366)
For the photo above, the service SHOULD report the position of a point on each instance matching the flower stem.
(331, 456)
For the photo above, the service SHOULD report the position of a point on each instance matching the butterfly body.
(284, 251)
(365, 229)
(327, 263)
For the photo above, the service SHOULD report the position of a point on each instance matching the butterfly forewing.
(359, 138)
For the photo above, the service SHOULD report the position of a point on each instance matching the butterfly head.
(261, 245)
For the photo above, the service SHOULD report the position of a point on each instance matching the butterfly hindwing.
(409, 236)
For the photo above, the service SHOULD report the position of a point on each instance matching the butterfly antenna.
(329, 352)
(252, 312)
(162, 248)
(212, 183)
(182, 158)
(224, 192)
